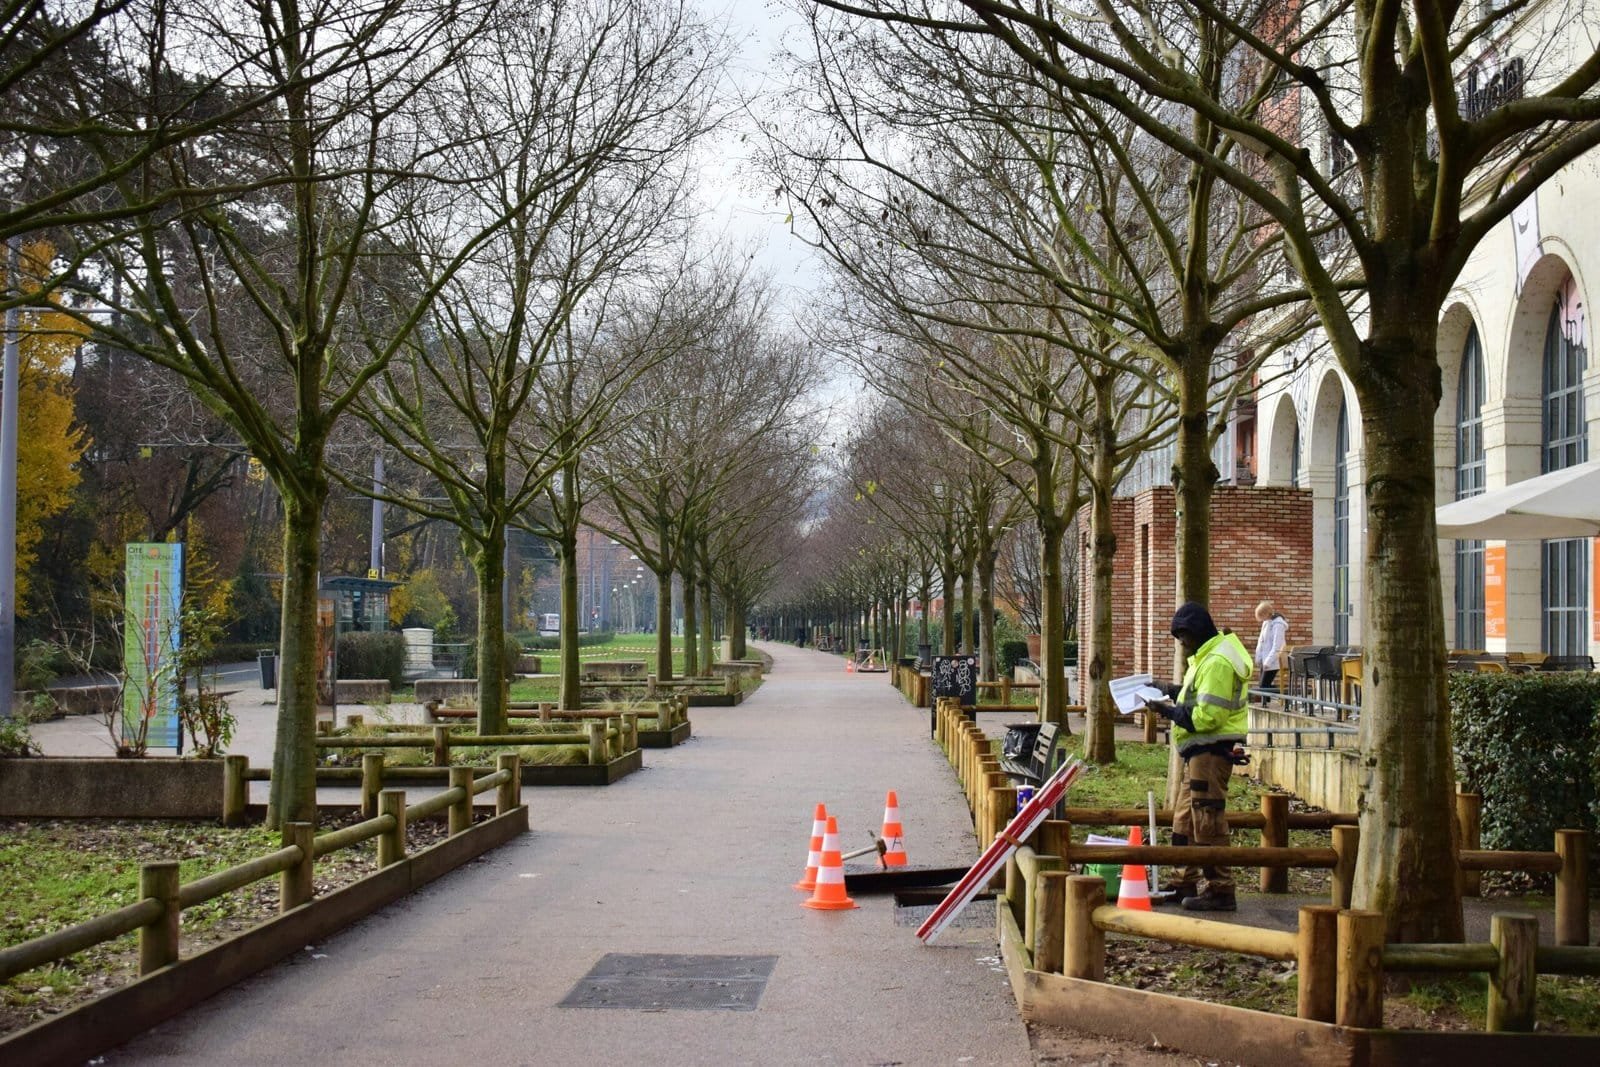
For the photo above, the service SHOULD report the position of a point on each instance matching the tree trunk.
(570, 693)
(966, 610)
(493, 671)
(664, 625)
(986, 665)
(293, 794)
(1406, 867)
(691, 623)
(947, 613)
(1194, 479)
(737, 649)
(1099, 745)
(923, 593)
(707, 628)
(1052, 632)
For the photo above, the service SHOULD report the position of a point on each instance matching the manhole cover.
(665, 982)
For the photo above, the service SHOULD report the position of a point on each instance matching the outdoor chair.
(1567, 663)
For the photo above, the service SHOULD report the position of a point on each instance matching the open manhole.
(912, 906)
(669, 982)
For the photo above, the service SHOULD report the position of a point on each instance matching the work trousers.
(1201, 817)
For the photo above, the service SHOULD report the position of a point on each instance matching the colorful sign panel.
(1594, 596)
(1494, 590)
(152, 612)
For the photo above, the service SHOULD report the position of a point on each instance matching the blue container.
(1024, 796)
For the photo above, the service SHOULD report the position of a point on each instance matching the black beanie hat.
(1193, 619)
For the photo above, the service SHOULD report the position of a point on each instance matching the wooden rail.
(1340, 954)
(163, 897)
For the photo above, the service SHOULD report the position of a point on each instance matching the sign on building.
(151, 634)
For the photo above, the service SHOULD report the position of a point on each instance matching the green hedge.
(1011, 654)
(373, 655)
(537, 642)
(1531, 745)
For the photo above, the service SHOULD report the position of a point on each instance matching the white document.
(1133, 692)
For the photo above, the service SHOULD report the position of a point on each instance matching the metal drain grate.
(978, 914)
(666, 982)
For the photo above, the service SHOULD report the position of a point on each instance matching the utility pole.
(375, 561)
(8, 481)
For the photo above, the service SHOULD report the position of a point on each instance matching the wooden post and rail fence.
(162, 897)
(1340, 951)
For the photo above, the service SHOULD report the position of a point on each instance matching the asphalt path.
(694, 855)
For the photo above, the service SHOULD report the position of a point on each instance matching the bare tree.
(1429, 176)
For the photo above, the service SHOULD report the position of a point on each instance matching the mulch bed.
(50, 990)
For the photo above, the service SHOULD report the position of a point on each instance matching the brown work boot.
(1212, 900)
(1176, 893)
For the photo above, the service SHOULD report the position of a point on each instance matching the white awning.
(1564, 503)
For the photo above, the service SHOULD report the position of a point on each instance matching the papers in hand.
(1133, 692)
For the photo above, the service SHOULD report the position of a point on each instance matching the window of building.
(1565, 578)
(1470, 469)
(1341, 529)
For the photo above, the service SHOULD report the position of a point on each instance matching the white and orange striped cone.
(849, 665)
(894, 835)
(830, 894)
(819, 826)
(1134, 892)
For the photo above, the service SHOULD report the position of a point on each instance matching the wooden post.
(1055, 838)
(1515, 978)
(1469, 824)
(650, 686)
(545, 708)
(295, 884)
(324, 727)
(1317, 960)
(1084, 951)
(1016, 892)
(1346, 840)
(441, 746)
(461, 811)
(1359, 1001)
(630, 719)
(1572, 888)
(1005, 691)
(1274, 834)
(355, 722)
(1152, 726)
(1050, 903)
(371, 782)
(614, 723)
(597, 743)
(158, 942)
(235, 789)
(508, 797)
(392, 845)
(1030, 901)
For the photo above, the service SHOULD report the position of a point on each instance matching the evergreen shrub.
(373, 655)
(1530, 744)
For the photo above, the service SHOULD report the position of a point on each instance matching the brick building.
(1261, 548)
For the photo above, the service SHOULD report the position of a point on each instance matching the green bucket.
(1111, 872)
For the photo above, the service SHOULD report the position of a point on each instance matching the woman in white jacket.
(1269, 646)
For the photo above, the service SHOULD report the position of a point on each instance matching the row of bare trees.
(1157, 193)
(461, 233)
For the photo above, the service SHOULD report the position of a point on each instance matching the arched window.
(1294, 460)
(1341, 529)
(1469, 482)
(1565, 584)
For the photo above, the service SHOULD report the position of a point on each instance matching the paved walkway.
(695, 854)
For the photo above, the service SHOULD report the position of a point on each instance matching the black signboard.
(956, 676)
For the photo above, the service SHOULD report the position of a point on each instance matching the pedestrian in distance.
(1269, 646)
(1209, 718)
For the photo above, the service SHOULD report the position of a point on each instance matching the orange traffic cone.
(1134, 892)
(894, 835)
(830, 895)
(849, 665)
(819, 826)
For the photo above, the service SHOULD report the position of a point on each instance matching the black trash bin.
(268, 658)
